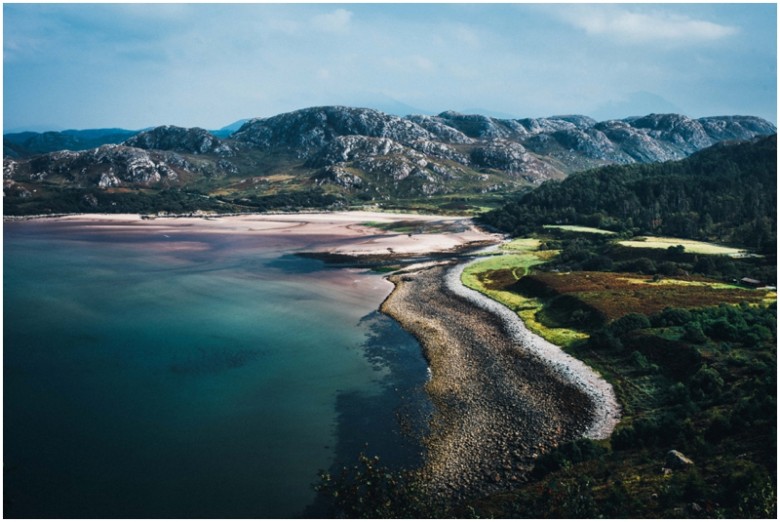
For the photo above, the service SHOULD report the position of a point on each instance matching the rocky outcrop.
(637, 144)
(481, 127)
(724, 128)
(106, 167)
(352, 148)
(443, 131)
(687, 135)
(309, 130)
(513, 159)
(677, 460)
(178, 139)
(338, 176)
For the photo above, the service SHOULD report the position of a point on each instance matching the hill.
(726, 193)
(22, 144)
(340, 155)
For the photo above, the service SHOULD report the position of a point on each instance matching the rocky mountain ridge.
(355, 152)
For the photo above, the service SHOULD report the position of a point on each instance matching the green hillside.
(727, 193)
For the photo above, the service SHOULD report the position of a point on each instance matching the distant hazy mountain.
(227, 130)
(30, 143)
(362, 154)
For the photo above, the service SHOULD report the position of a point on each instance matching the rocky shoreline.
(499, 401)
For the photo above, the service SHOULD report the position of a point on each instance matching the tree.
(629, 323)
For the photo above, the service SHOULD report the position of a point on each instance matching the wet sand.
(338, 233)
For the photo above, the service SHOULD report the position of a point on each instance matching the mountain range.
(348, 154)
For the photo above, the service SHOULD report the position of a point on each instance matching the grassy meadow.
(693, 247)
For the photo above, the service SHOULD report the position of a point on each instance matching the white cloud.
(334, 22)
(638, 27)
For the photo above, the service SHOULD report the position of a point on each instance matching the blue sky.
(207, 65)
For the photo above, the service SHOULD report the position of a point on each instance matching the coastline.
(607, 411)
(502, 395)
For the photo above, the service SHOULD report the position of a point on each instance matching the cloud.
(334, 22)
(638, 27)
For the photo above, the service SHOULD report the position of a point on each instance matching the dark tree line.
(726, 193)
(174, 201)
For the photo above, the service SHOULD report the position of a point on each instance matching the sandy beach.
(338, 233)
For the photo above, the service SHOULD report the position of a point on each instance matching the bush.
(567, 455)
(694, 334)
(605, 340)
(370, 490)
(629, 323)
(706, 383)
(672, 317)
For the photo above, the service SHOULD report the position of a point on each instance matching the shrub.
(706, 383)
(629, 323)
(694, 334)
(370, 490)
(672, 317)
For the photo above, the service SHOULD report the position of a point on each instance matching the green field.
(693, 247)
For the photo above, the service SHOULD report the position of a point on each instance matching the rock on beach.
(498, 402)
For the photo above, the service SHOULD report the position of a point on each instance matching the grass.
(693, 247)
(584, 230)
(613, 295)
(525, 244)
(491, 275)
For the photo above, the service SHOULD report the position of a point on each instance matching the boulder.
(677, 460)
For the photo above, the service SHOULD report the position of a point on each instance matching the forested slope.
(726, 193)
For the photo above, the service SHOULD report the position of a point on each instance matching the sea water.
(193, 375)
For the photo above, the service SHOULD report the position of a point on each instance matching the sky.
(82, 66)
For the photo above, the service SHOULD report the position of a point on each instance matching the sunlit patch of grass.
(477, 276)
(524, 244)
(680, 282)
(519, 264)
(584, 230)
(692, 247)
(558, 336)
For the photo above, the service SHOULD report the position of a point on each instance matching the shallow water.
(192, 375)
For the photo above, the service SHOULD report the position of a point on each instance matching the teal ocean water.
(199, 375)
